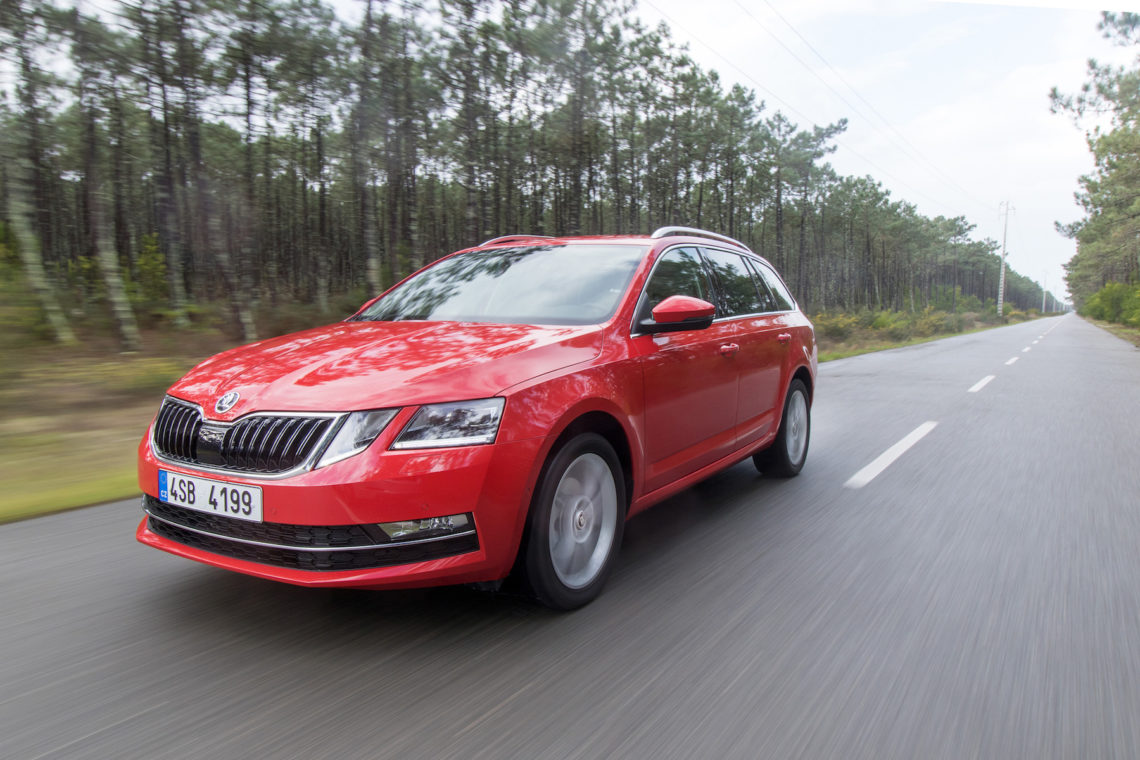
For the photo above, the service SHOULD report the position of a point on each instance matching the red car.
(507, 407)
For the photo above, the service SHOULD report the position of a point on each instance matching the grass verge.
(70, 423)
(832, 351)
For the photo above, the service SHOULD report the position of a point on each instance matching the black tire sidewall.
(541, 578)
(774, 460)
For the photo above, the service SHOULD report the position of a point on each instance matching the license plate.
(210, 496)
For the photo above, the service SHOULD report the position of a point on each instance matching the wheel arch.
(804, 374)
(607, 426)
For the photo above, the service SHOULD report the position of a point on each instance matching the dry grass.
(71, 420)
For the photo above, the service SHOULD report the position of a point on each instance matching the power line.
(918, 154)
(796, 111)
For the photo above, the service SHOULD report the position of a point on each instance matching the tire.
(788, 452)
(575, 524)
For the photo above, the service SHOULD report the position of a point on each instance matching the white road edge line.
(1011, 361)
(980, 384)
(884, 460)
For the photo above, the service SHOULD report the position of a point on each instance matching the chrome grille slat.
(287, 451)
(265, 451)
(240, 448)
(276, 450)
(309, 437)
(257, 447)
(269, 444)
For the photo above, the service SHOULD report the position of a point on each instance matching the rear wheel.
(787, 454)
(576, 523)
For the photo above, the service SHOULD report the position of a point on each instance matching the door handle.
(729, 349)
(784, 338)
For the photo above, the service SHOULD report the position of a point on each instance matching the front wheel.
(576, 523)
(787, 454)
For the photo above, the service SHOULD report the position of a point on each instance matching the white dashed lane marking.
(884, 460)
(981, 384)
(888, 457)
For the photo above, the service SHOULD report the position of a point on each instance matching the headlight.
(357, 431)
(463, 423)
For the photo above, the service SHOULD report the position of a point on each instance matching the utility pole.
(1044, 279)
(1006, 208)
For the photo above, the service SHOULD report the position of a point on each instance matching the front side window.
(575, 284)
(678, 273)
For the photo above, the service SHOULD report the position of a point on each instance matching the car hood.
(371, 365)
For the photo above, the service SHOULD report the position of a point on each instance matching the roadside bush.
(885, 319)
(837, 327)
(929, 323)
(900, 331)
(1115, 302)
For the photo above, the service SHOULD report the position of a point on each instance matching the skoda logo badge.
(226, 402)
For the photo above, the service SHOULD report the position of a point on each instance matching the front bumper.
(319, 526)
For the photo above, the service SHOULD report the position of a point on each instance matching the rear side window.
(678, 273)
(784, 300)
(766, 298)
(740, 294)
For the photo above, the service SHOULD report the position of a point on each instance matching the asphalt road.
(978, 597)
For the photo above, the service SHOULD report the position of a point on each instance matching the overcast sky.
(947, 102)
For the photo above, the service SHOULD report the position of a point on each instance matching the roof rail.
(665, 231)
(509, 238)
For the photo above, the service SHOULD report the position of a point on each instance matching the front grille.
(176, 431)
(300, 547)
(261, 443)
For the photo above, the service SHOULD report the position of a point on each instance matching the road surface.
(955, 574)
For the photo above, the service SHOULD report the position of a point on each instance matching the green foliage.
(837, 327)
(1108, 237)
(929, 323)
(149, 289)
(22, 322)
(1115, 302)
(885, 327)
(9, 257)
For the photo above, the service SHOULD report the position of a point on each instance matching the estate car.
(503, 410)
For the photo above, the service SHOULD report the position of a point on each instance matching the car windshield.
(576, 284)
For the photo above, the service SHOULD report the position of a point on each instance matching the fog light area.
(432, 527)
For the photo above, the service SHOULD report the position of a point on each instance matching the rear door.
(762, 340)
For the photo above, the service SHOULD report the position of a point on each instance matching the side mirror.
(677, 314)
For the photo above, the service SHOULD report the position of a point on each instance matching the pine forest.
(166, 158)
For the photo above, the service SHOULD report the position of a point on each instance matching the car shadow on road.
(654, 540)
